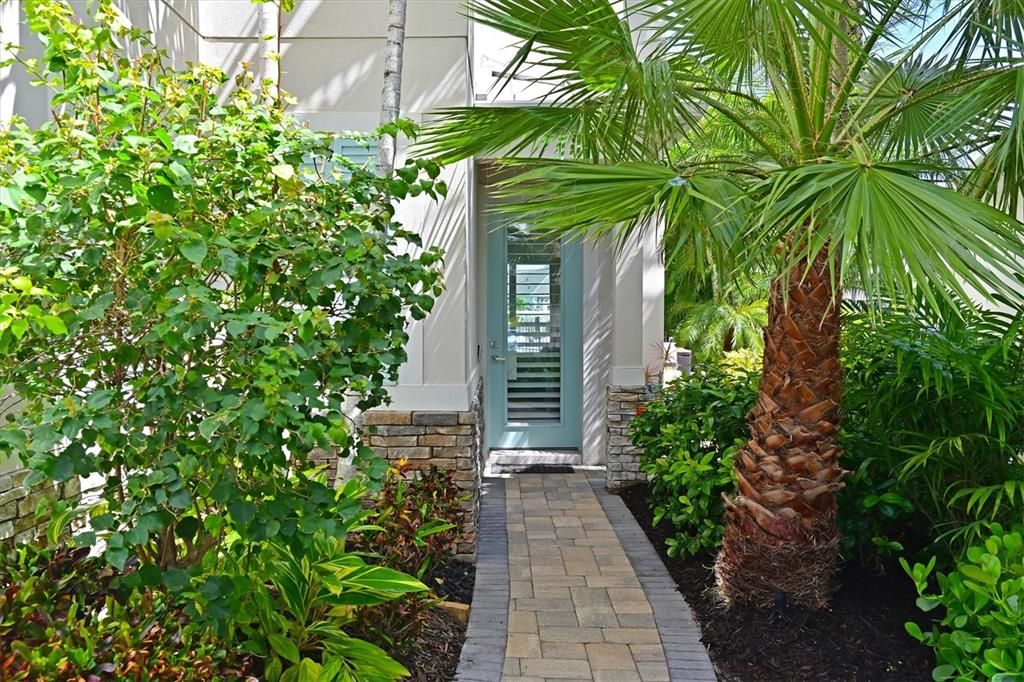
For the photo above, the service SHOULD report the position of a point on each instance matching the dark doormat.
(533, 469)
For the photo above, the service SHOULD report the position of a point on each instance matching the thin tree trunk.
(271, 19)
(391, 97)
(781, 536)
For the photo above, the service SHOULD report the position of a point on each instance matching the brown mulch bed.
(859, 637)
(435, 657)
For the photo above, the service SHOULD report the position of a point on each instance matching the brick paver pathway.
(580, 578)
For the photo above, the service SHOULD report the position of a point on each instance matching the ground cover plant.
(64, 616)
(981, 633)
(194, 288)
(417, 518)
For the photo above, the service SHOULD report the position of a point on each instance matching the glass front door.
(534, 366)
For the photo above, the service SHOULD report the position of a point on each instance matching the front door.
(534, 328)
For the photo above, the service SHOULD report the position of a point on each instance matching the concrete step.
(516, 461)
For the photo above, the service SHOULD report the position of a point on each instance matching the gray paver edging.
(483, 654)
(687, 658)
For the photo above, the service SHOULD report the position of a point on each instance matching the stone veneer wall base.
(18, 504)
(623, 463)
(447, 440)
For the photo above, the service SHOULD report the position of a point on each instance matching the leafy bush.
(873, 511)
(304, 601)
(66, 616)
(932, 433)
(416, 522)
(224, 288)
(690, 433)
(207, 287)
(938, 405)
(981, 634)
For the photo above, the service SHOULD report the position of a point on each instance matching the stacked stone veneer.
(448, 440)
(18, 504)
(623, 466)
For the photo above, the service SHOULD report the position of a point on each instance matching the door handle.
(497, 358)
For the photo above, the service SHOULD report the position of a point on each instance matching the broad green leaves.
(981, 633)
(26, 309)
(190, 294)
(689, 434)
(195, 250)
(161, 198)
(314, 598)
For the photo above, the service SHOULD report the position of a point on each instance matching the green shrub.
(207, 288)
(981, 633)
(689, 434)
(873, 510)
(932, 434)
(937, 404)
(223, 286)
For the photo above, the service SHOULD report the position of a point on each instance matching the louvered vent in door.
(534, 350)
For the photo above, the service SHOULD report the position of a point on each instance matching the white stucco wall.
(17, 96)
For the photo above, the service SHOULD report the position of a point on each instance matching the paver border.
(483, 654)
(686, 655)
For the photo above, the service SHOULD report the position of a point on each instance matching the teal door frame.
(566, 433)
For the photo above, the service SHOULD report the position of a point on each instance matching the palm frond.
(584, 132)
(997, 176)
(734, 319)
(701, 213)
(585, 55)
(737, 36)
(989, 29)
(902, 234)
(933, 109)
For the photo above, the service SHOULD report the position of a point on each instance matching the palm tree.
(713, 321)
(880, 139)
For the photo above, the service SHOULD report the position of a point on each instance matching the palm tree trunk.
(391, 96)
(781, 536)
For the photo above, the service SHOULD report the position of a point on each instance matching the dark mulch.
(860, 637)
(435, 657)
(454, 581)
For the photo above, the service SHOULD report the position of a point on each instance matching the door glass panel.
(534, 336)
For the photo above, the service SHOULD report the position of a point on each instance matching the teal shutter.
(361, 153)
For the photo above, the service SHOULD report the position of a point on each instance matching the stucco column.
(639, 310)
(653, 301)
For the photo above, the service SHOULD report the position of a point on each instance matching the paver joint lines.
(574, 576)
